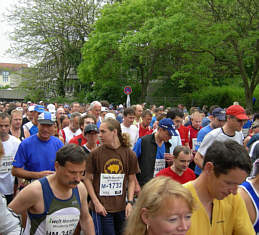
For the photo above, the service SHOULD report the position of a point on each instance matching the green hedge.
(222, 96)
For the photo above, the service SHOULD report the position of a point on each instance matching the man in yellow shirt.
(219, 209)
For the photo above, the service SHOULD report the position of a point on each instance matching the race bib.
(61, 224)
(111, 184)
(6, 164)
(159, 165)
(194, 143)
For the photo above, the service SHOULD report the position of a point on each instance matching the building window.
(5, 76)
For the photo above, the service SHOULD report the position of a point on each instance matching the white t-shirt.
(69, 134)
(6, 178)
(133, 131)
(175, 141)
(254, 150)
(218, 134)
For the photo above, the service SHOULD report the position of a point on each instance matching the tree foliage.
(194, 43)
(51, 33)
(229, 33)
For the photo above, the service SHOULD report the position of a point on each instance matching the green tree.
(196, 43)
(51, 33)
(130, 40)
(228, 36)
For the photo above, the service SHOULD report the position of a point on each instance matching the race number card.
(111, 184)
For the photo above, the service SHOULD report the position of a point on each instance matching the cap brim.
(242, 117)
(92, 131)
(48, 122)
(221, 117)
(172, 132)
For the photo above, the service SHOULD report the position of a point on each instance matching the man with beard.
(56, 203)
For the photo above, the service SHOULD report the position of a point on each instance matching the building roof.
(12, 94)
(13, 67)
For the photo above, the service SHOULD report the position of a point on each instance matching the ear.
(115, 131)
(145, 216)
(56, 165)
(209, 168)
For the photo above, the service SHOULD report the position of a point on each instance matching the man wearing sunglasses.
(232, 130)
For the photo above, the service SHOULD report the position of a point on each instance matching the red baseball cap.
(237, 111)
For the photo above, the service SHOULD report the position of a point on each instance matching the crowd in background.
(136, 145)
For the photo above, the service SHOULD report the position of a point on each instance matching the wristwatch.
(130, 202)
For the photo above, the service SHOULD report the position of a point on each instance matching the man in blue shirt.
(153, 150)
(218, 119)
(36, 155)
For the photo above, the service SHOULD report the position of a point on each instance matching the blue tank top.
(248, 187)
(37, 224)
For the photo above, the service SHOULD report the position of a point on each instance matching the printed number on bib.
(111, 184)
(6, 164)
(159, 165)
(61, 224)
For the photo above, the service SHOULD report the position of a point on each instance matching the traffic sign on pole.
(127, 90)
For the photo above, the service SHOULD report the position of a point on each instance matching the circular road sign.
(127, 90)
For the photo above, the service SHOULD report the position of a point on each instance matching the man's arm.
(21, 173)
(198, 159)
(131, 187)
(99, 208)
(27, 198)
(86, 221)
(26, 132)
(9, 222)
(249, 204)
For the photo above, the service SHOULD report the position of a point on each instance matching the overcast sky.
(4, 29)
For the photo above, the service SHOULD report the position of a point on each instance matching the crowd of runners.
(109, 170)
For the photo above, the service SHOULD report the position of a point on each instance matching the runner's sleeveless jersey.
(60, 217)
(249, 188)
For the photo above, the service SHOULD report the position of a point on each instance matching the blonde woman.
(109, 169)
(164, 207)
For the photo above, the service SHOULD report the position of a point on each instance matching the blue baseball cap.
(167, 123)
(46, 118)
(39, 108)
(219, 113)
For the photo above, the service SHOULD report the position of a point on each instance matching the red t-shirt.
(145, 131)
(187, 175)
(75, 139)
(192, 134)
(183, 130)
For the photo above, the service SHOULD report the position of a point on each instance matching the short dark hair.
(83, 117)
(4, 115)
(175, 112)
(212, 108)
(227, 155)
(70, 153)
(146, 112)
(128, 111)
(178, 149)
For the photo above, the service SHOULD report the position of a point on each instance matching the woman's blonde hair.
(124, 138)
(153, 195)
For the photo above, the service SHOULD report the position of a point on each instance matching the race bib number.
(61, 224)
(194, 143)
(6, 164)
(111, 184)
(159, 165)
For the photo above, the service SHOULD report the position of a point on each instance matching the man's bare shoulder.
(32, 191)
